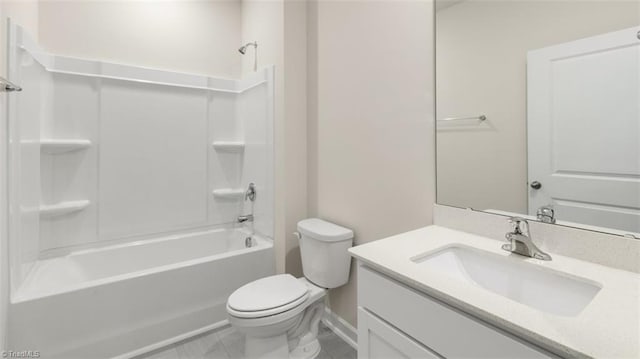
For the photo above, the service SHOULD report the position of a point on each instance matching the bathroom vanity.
(437, 292)
(424, 327)
(522, 109)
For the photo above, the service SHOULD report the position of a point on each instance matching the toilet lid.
(268, 293)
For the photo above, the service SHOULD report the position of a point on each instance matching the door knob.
(536, 185)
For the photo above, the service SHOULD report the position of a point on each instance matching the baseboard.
(170, 341)
(341, 327)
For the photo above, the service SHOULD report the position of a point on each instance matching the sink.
(512, 277)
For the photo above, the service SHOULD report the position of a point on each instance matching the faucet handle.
(546, 214)
(548, 207)
(517, 223)
(250, 194)
(517, 220)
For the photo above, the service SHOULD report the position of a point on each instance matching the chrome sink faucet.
(520, 240)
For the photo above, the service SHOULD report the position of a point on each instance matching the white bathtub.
(127, 299)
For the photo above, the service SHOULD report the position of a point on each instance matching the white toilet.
(279, 315)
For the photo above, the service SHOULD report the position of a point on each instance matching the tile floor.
(226, 343)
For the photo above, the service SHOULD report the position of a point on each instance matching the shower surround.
(125, 187)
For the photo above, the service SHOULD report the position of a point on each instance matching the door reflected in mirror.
(538, 110)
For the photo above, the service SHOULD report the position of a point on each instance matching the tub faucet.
(520, 240)
(245, 218)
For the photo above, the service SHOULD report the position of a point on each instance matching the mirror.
(538, 110)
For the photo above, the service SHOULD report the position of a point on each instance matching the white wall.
(188, 36)
(371, 141)
(24, 13)
(295, 130)
(255, 113)
(215, 30)
(481, 69)
(190, 30)
(279, 27)
(195, 37)
(156, 168)
(262, 21)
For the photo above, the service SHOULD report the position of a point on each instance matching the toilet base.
(266, 348)
(276, 347)
(307, 351)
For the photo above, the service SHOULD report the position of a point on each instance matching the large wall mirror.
(538, 110)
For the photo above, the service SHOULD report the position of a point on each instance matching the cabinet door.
(448, 331)
(379, 340)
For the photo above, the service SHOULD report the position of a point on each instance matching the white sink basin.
(511, 277)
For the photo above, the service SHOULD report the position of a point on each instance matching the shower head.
(243, 49)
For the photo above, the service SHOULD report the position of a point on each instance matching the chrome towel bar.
(479, 118)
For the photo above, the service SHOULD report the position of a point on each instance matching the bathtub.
(127, 299)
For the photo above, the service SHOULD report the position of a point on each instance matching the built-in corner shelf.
(51, 146)
(228, 193)
(62, 208)
(228, 146)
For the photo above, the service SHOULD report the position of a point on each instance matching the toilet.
(280, 314)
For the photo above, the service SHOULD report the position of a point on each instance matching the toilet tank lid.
(323, 230)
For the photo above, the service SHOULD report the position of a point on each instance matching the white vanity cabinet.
(396, 321)
(378, 339)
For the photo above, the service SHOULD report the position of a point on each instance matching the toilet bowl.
(275, 329)
(280, 314)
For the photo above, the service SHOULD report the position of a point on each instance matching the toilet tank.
(323, 248)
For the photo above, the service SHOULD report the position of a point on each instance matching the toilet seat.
(267, 296)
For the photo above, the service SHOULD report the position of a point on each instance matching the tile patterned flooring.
(226, 343)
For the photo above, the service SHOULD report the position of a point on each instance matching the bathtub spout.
(245, 218)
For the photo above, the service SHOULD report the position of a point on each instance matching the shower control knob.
(536, 185)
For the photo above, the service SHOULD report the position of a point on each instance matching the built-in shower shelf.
(228, 193)
(63, 145)
(62, 208)
(228, 146)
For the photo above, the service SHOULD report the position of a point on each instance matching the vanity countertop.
(609, 327)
